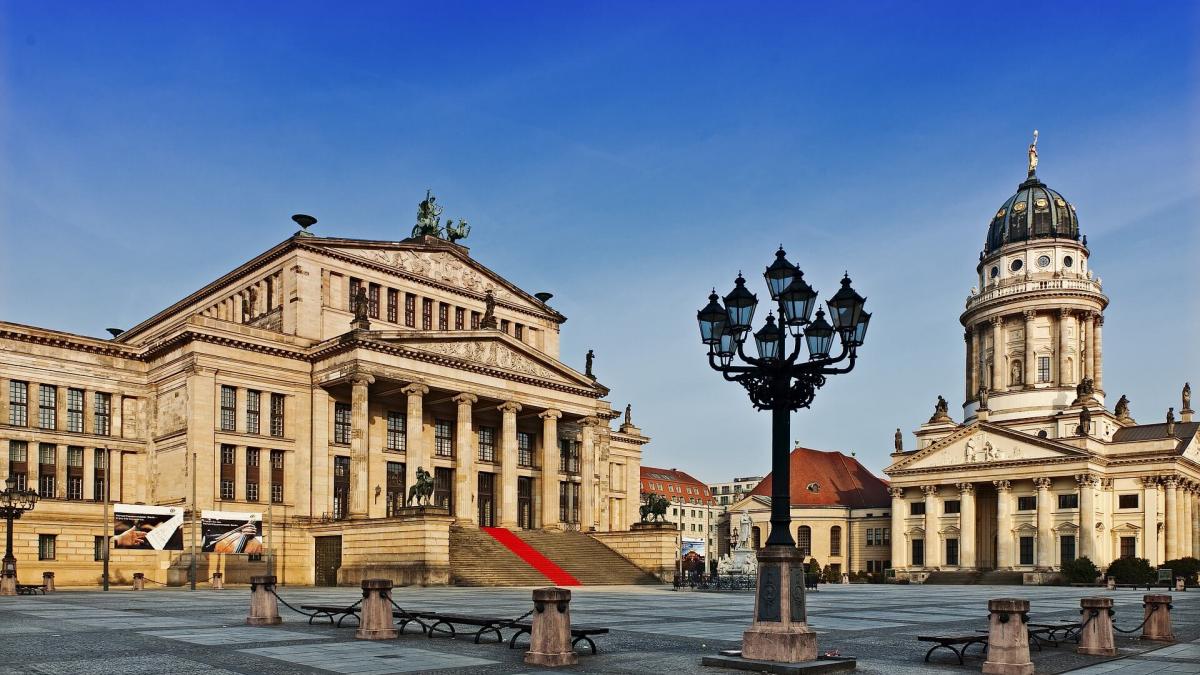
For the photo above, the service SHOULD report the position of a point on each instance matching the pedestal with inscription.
(780, 630)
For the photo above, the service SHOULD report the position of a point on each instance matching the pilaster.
(202, 424)
(1029, 360)
(1098, 352)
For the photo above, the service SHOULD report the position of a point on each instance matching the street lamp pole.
(779, 381)
(13, 503)
(107, 527)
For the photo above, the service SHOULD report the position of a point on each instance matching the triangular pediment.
(984, 444)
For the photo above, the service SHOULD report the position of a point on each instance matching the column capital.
(968, 333)
(1029, 314)
(466, 398)
(1170, 482)
(550, 414)
(1002, 485)
(591, 421)
(509, 407)
(1098, 318)
(896, 492)
(1085, 480)
(415, 389)
(1042, 483)
(1149, 481)
(1065, 312)
(965, 488)
(997, 321)
(362, 379)
(929, 490)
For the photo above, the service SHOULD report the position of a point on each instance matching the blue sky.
(626, 157)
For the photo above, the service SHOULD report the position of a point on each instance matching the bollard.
(375, 618)
(1096, 637)
(217, 578)
(1008, 637)
(1112, 583)
(264, 608)
(48, 582)
(1157, 625)
(139, 581)
(550, 636)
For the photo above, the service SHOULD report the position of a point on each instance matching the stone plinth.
(1008, 637)
(550, 635)
(651, 546)
(48, 582)
(1157, 614)
(139, 581)
(375, 617)
(264, 608)
(1096, 638)
(8, 584)
(654, 526)
(733, 659)
(780, 631)
(218, 581)
(413, 549)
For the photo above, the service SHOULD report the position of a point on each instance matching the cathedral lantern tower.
(1034, 318)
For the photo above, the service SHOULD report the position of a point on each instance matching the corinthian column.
(1004, 557)
(998, 354)
(464, 468)
(1064, 369)
(969, 375)
(1150, 519)
(548, 462)
(359, 424)
(1171, 511)
(933, 539)
(416, 455)
(966, 526)
(1086, 362)
(1098, 352)
(1087, 516)
(508, 463)
(587, 469)
(1195, 520)
(1030, 365)
(899, 547)
(1045, 527)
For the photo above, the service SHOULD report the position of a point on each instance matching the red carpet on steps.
(557, 575)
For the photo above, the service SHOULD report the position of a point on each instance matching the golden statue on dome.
(1033, 156)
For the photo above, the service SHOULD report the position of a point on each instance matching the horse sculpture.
(422, 491)
(655, 508)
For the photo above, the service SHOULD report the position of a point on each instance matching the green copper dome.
(1034, 212)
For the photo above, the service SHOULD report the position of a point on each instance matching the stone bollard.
(1112, 583)
(1008, 637)
(550, 637)
(375, 614)
(264, 608)
(217, 579)
(1158, 618)
(139, 581)
(48, 582)
(1096, 638)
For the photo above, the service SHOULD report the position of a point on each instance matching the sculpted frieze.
(489, 354)
(440, 267)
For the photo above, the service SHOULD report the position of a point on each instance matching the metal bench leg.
(512, 644)
(588, 640)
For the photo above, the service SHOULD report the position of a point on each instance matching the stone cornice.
(52, 338)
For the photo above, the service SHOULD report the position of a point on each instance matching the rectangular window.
(568, 502)
(395, 488)
(277, 401)
(1127, 501)
(393, 305)
(396, 439)
(228, 408)
(916, 508)
(426, 314)
(98, 549)
(568, 455)
(524, 449)
(887, 536)
(47, 406)
(410, 310)
(74, 472)
(47, 545)
(18, 462)
(443, 316)
(47, 468)
(277, 476)
(504, 325)
(341, 487)
(952, 552)
(519, 332)
(1066, 549)
(341, 423)
(228, 454)
(99, 474)
(460, 315)
(75, 410)
(1043, 369)
(1026, 548)
(443, 488)
(443, 438)
(1128, 547)
(227, 488)
(1027, 503)
(870, 536)
(253, 403)
(252, 469)
(1068, 501)
(487, 444)
(474, 320)
(918, 552)
(373, 301)
(353, 293)
(18, 403)
(953, 506)
(103, 413)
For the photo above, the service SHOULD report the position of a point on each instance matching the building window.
(253, 402)
(443, 438)
(568, 455)
(519, 332)
(1066, 549)
(18, 403)
(443, 316)
(99, 474)
(504, 325)
(916, 508)
(1068, 501)
(835, 540)
(98, 548)
(341, 487)
(426, 314)
(443, 488)
(252, 469)
(228, 408)
(524, 449)
(103, 413)
(487, 444)
(459, 318)
(568, 502)
(1128, 547)
(277, 476)
(396, 440)
(341, 423)
(277, 415)
(227, 488)
(353, 297)
(47, 467)
(474, 320)
(1127, 501)
(47, 545)
(918, 552)
(871, 536)
(1043, 369)
(74, 472)
(75, 410)
(952, 552)
(410, 310)
(18, 462)
(373, 301)
(1026, 548)
(228, 471)
(393, 305)
(47, 406)
(1027, 503)
(804, 540)
(395, 488)
(228, 454)
(952, 506)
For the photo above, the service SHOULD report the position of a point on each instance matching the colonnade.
(1087, 325)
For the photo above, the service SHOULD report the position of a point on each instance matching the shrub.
(829, 576)
(1081, 571)
(813, 567)
(1186, 567)
(1132, 571)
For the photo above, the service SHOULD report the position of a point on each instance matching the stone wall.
(411, 550)
(652, 549)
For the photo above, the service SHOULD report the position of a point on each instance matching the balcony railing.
(1005, 289)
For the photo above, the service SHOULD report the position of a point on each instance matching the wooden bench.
(1055, 632)
(963, 642)
(331, 611)
(30, 589)
(444, 623)
(579, 633)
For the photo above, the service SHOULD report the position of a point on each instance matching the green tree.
(1081, 571)
(1132, 571)
(1186, 567)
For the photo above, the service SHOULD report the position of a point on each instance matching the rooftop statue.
(429, 222)
(899, 440)
(1187, 396)
(941, 411)
(587, 368)
(629, 414)
(1122, 409)
(1033, 156)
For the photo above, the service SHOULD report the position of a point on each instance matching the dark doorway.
(328, 560)
(486, 499)
(525, 502)
(443, 488)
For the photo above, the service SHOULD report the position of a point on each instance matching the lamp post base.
(780, 630)
(8, 585)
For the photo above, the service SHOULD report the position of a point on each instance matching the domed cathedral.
(1040, 471)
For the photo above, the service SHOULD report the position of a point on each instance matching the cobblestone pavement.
(654, 630)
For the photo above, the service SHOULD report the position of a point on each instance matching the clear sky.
(625, 156)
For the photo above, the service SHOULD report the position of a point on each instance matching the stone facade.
(256, 393)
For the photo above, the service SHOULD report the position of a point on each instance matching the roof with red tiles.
(675, 485)
(830, 478)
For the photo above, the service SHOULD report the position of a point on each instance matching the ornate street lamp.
(780, 381)
(13, 503)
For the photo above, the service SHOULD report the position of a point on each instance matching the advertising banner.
(231, 532)
(149, 528)
(692, 546)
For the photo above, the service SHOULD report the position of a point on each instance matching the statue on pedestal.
(1085, 421)
(899, 440)
(489, 310)
(1122, 409)
(422, 491)
(588, 359)
(941, 411)
(1187, 396)
(361, 309)
(1033, 155)
(983, 398)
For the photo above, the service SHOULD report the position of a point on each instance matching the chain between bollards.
(1153, 609)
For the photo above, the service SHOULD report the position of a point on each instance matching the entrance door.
(329, 559)
(525, 502)
(486, 499)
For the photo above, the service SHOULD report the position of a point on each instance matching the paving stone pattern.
(655, 630)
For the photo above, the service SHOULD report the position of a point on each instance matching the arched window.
(804, 540)
(835, 540)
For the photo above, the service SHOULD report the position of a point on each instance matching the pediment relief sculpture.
(438, 266)
(489, 354)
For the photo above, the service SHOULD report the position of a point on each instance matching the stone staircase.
(953, 578)
(1002, 578)
(586, 559)
(476, 559)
